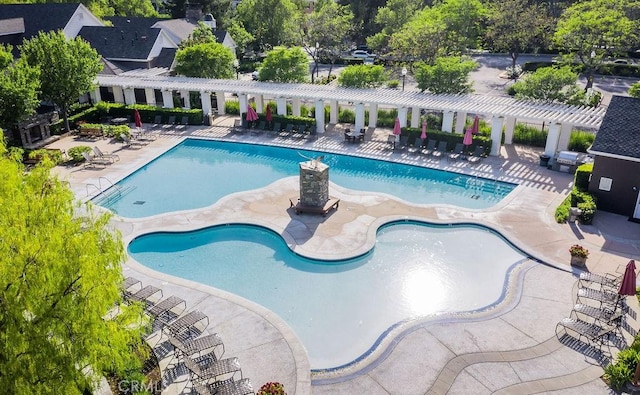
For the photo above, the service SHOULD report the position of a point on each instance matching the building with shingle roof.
(615, 179)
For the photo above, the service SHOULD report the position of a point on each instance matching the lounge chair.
(105, 155)
(131, 285)
(147, 295)
(431, 146)
(416, 147)
(607, 281)
(276, 129)
(199, 345)
(188, 326)
(205, 369)
(457, 151)
(605, 316)
(259, 130)
(477, 156)
(145, 136)
(391, 141)
(607, 299)
(287, 130)
(132, 143)
(92, 161)
(440, 151)
(404, 142)
(592, 332)
(157, 121)
(185, 121)
(167, 310)
(172, 120)
(298, 131)
(229, 387)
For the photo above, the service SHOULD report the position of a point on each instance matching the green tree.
(202, 34)
(634, 90)
(548, 84)
(240, 35)
(515, 26)
(391, 18)
(364, 13)
(464, 23)
(68, 68)
(447, 75)
(363, 76)
(207, 60)
(60, 279)
(591, 31)
(271, 22)
(19, 89)
(424, 37)
(285, 65)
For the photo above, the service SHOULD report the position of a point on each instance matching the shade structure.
(251, 114)
(424, 130)
(268, 116)
(397, 130)
(137, 119)
(628, 284)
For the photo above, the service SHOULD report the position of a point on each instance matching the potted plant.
(579, 255)
(272, 388)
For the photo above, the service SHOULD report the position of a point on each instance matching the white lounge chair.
(133, 143)
(106, 155)
(92, 161)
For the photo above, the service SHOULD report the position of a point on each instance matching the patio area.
(509, 348)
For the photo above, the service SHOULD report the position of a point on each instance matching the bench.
(298, 207)
(90, 133)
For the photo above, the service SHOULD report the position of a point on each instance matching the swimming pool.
(197, 173)
(341, 309)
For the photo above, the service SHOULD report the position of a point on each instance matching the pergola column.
(242, 99)
(461, 120)
(185, 98)
(333, 111)
(373, 115)
(259, 104)
(415, 117)
(447, 121)
(150, 96)
(319, 116)
(359, 117)
(205, 98)
(167, 99)
(496, 134)
(221, 103)
(295, 107)
(565, 136)
(553, 136)
(95, 96)
(402, 115)
(282, 105)
(509, 128)
(129, 96)
(118, 95)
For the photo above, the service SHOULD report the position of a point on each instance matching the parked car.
(359, 53)
(255, 75)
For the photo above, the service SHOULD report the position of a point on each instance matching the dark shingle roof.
(619, 133)
(165, 59)
(118, 21)
(40, 17)
(122, 42)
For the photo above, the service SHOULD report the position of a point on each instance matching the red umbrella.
(268, 116)
(424, 129)
(468, 136)
(628, 284)
(251, 114)
(137, 119)
(475, 128)
(396, 129)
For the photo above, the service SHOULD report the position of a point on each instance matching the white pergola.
(502, 111)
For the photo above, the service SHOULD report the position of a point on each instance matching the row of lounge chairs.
(200, 352)
(598, 312)
(290, 130)
(436, 149)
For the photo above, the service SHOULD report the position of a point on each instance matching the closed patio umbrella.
(628, 283)
(396, 129)
(424, 129)
(137, 119)
(268, 116)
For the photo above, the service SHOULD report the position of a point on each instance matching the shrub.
(232, 107)
(619, 373)
(272, 388)
(634, 90)
(529, 135)
(393, 84)
(75, 153)
(583, 174)
(580, 141)
(562, 211)
(346, 115)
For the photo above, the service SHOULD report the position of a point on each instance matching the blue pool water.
(197, 173)
(341, 309)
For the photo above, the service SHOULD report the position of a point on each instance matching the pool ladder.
(109, 192)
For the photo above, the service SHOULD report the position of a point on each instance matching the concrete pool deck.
(509, 348)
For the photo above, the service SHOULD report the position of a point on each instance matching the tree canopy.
(446, 75)
(548, 84)
(271, 22)
(362, 76)
(60, 276)
(68, 68)
(284, 65)
(206, 60)
(19, 89)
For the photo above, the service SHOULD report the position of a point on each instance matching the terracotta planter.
(578, 261)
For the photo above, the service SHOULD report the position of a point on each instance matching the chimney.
(210, 21)
(193, 12)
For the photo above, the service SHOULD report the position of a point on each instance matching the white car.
(359, 53)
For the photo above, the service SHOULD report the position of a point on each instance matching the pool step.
(113, 194)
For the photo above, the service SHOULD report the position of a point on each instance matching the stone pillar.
(118, 95)
(150, 96)
(242, 99)
(167, 99)
(95, 96)
(461, 120)
(496, 135)
(319, 116)
(333, 111)
(373, 115)
(359, 117)
(259, 104)
(314, 183)
(553, 136)
(447, 121)
(565, 136)
(205, 98)
(415, 117)
(129, 96)
(221, 102)
(295, 107)
(185, 98)
(402, 115)
(509, 128)
(281, 106)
